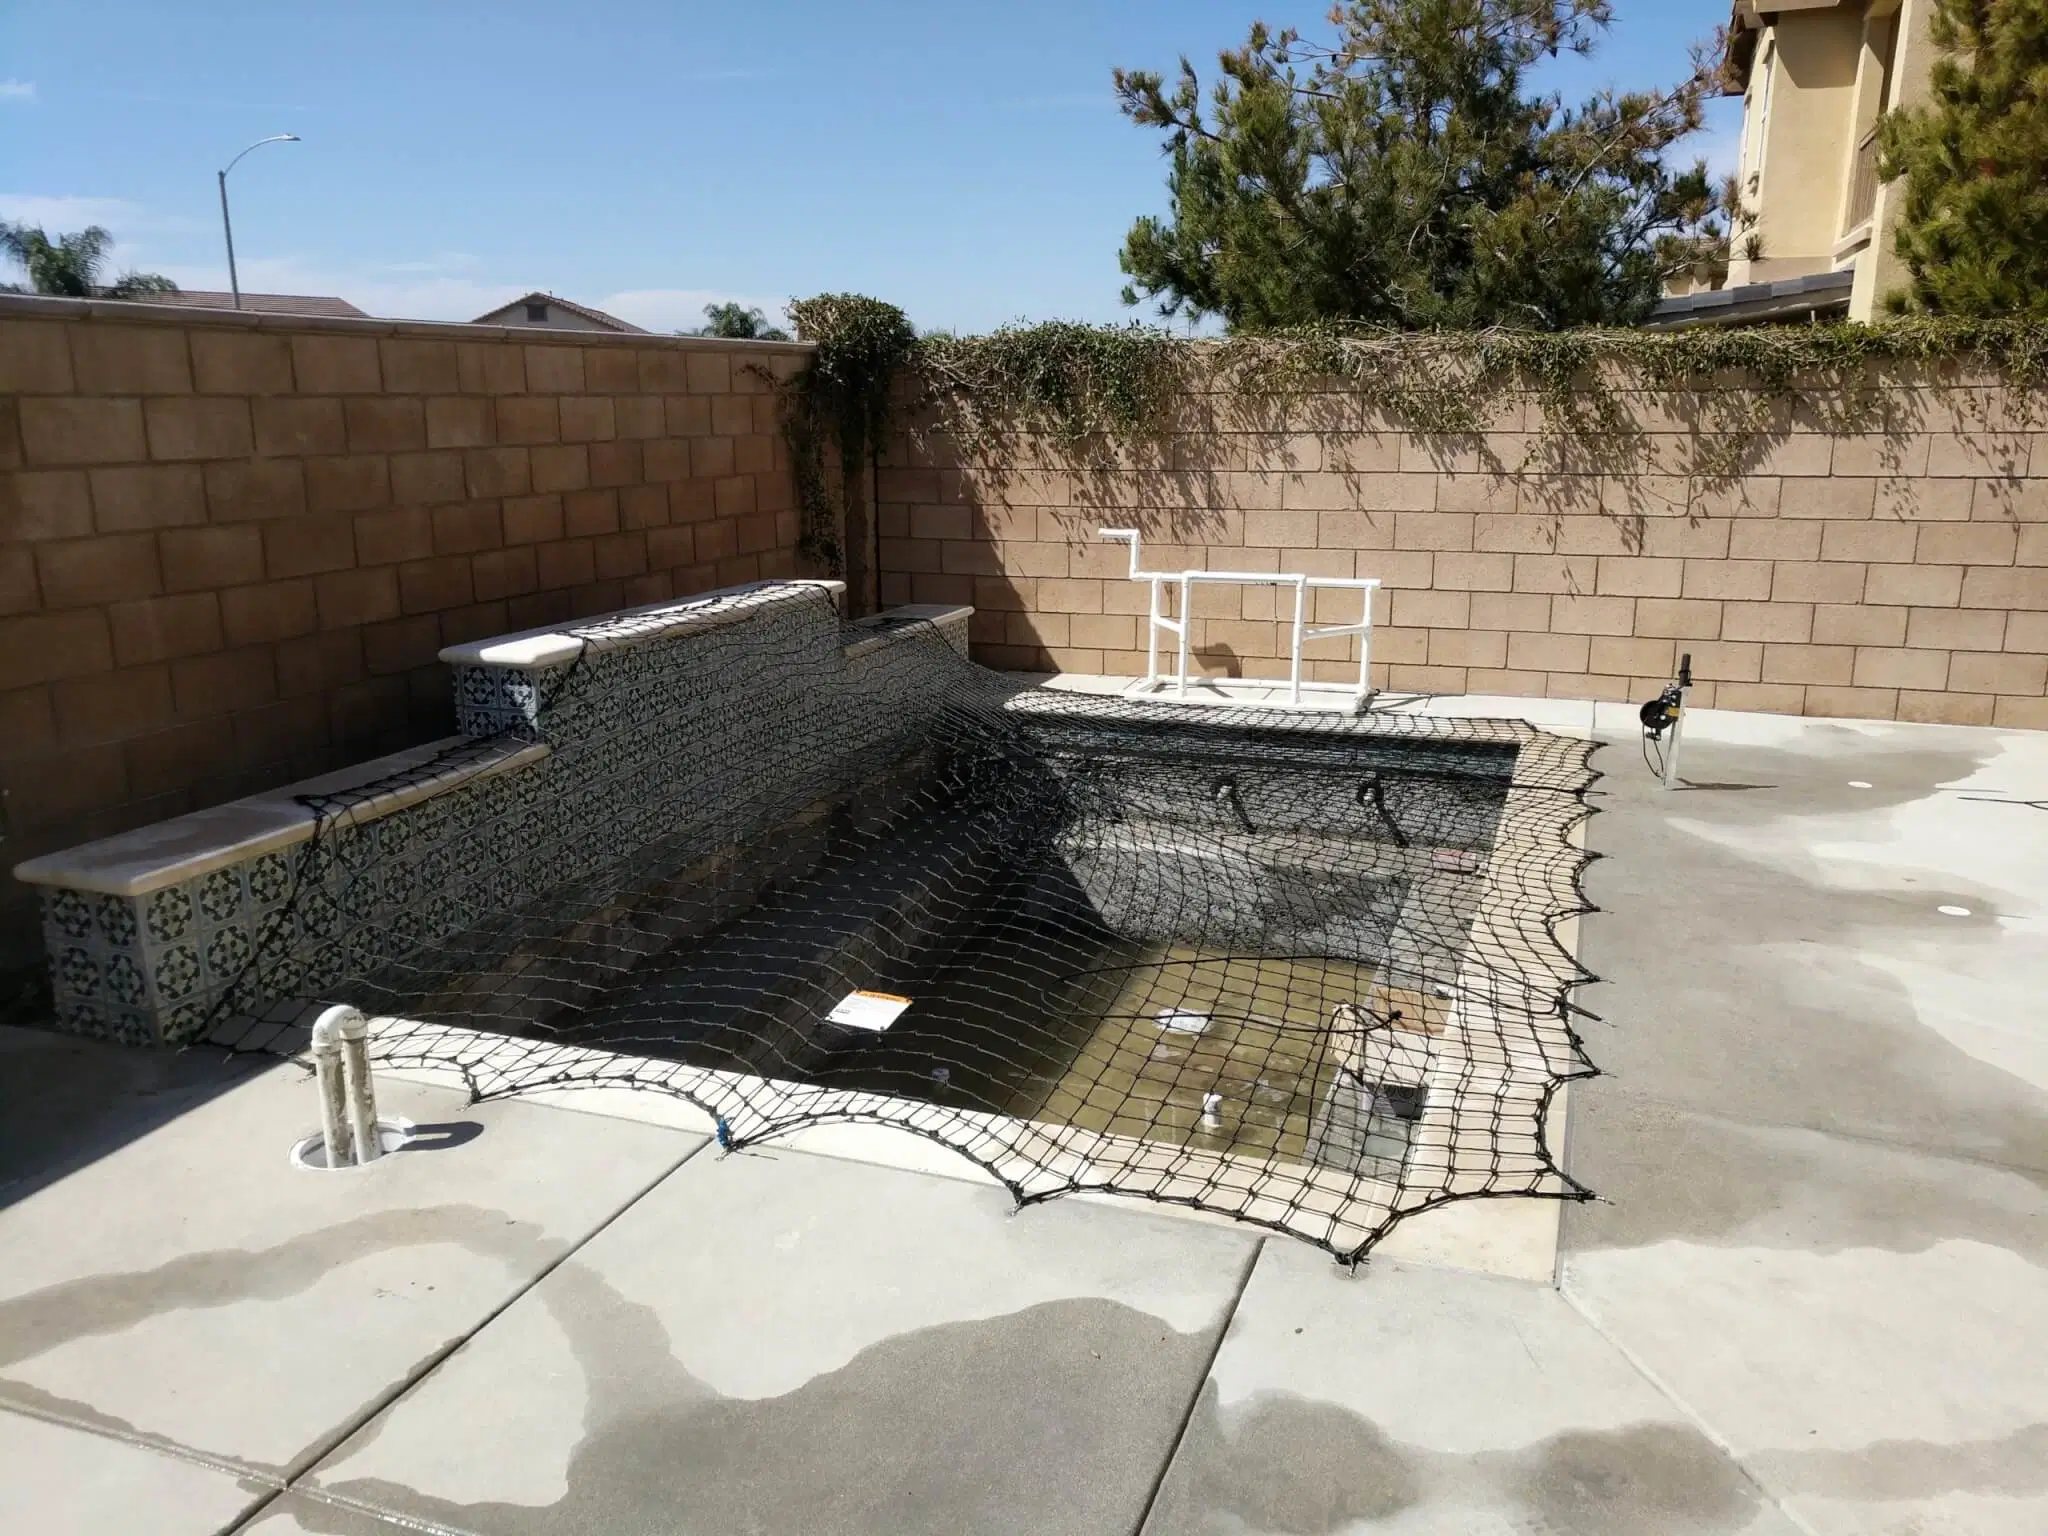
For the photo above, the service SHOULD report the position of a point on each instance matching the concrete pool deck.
(1811, 1297)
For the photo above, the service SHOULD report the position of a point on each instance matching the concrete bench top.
(532, 649)
(880, 629)
(170, 852)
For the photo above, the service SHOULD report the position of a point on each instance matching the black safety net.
(1301, 967)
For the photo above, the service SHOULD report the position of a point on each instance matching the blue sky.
(963, 159)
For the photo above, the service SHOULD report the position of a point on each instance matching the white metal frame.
(1157, 619)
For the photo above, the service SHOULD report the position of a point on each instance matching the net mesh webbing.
(1295, 967)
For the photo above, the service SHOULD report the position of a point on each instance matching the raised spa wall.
(156, 935)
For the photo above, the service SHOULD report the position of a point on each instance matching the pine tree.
(1405, 174)
(1973, 230)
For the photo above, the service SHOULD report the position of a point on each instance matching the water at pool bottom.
(1058, 1020)
(1150, 946)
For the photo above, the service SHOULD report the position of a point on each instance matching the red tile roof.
(257, 303)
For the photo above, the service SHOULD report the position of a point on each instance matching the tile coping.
(529, 650)
(168, 852)
(165, 853)
(878, 629)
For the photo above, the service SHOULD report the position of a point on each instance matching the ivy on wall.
(1105, 395)
(841, 400)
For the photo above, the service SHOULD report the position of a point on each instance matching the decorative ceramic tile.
(220, 894)
(175, 973)
(324, 966)
(125, 982)
(357, 894)
(399, 888)
(272, 877)
(78, 973)
(283, 974)
(365, 950)
(661, 753)
(114, 917)
(167, 914)
(228, 952)
(441, 917)
(186, 1021)
(69, 913)
(407, 932)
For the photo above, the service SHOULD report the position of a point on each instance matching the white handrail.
(1178, 625)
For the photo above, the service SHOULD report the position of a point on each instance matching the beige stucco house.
(1816, 75)
(553, 312)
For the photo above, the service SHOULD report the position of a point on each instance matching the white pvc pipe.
(334, 1129)
(1671, 746)
(1186, 625)
(1305, 587)
(1294, 654)
(1152, 637)
(348, 1102)
(1677, 722)
(362, 1094)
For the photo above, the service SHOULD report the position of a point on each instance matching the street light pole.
(227, 225)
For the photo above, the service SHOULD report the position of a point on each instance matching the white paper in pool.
(1183, 1021)
(868, 1010)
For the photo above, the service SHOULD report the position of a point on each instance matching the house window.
(537, 314)
(1884, 46)
(1881, 41)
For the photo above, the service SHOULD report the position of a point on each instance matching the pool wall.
(743, 700)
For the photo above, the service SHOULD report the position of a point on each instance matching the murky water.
(1152, 942)
(1071, 1025)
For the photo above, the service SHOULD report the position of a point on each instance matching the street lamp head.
(226, 225)
(275, 138)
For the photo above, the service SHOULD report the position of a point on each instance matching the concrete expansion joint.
(1690, 1414)
(171, 1449)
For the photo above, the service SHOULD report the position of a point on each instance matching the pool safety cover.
(1301, 968)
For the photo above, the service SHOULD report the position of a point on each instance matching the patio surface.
(1812, 1296)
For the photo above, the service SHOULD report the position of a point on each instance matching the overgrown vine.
(840, 399)
(1103, 395)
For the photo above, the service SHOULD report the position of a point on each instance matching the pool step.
(755, 994)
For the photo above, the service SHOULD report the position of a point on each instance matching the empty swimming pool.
(1300, 967)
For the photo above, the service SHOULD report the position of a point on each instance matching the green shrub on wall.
(1104, 395)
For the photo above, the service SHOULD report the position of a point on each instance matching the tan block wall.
(231, 546)
(1893, 576)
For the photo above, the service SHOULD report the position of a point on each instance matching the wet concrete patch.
(44, 1322)
(1786, 1353)
(794, 1344)
(1285, 1464)
(1665, 1172)
(200, 1295)
(1282, 1463)
(2013, 1466)
(1432, 1400)
(1746, 940)
(1822, 1146)
(1048, 1419)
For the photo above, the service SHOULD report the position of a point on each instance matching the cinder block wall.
(1899, 574)
(231, 546)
